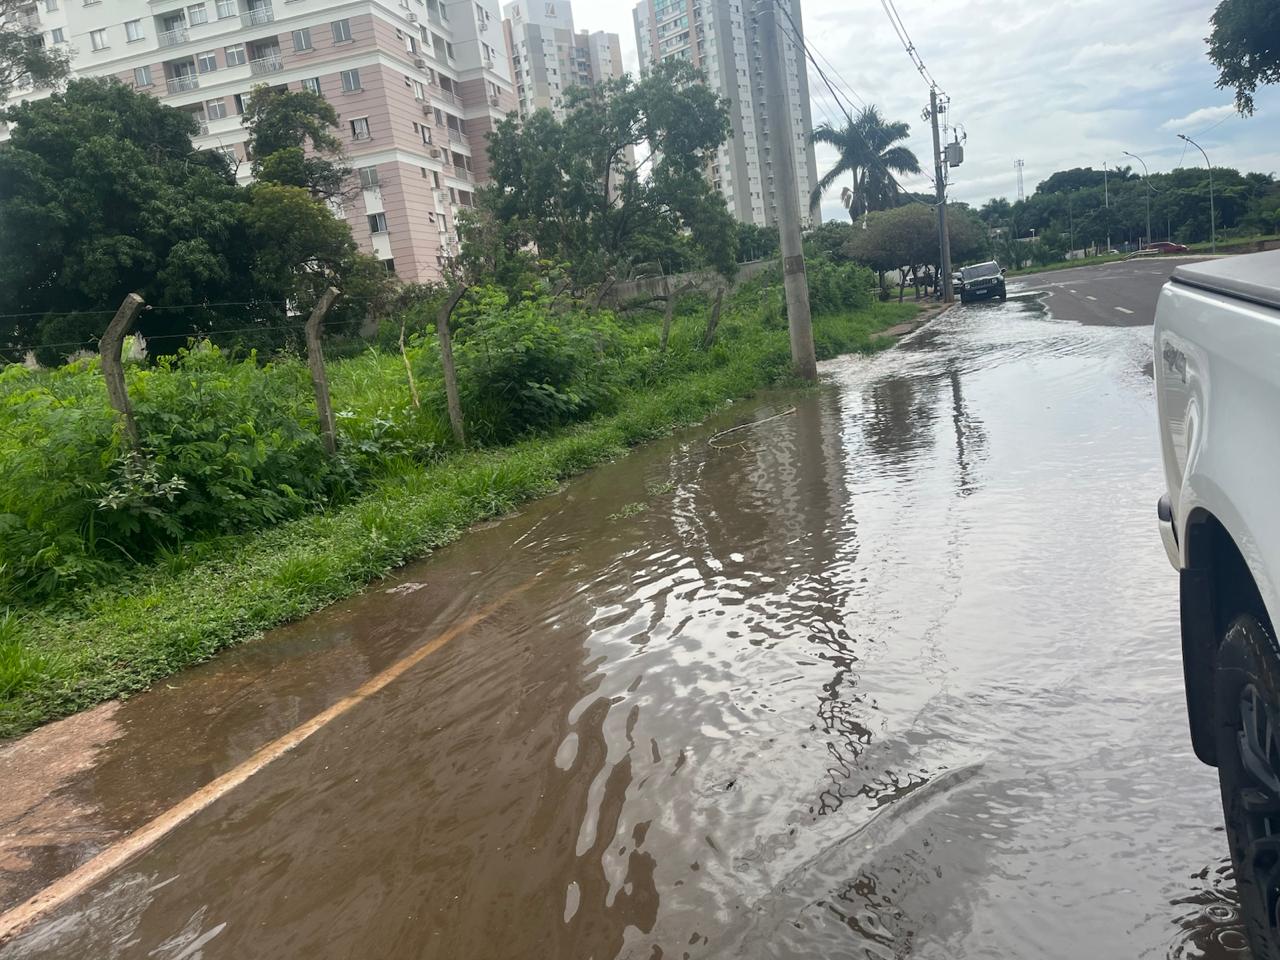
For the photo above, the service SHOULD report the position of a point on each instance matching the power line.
(900, 29)
(797, 39)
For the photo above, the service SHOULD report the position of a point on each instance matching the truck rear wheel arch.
(1215, 588)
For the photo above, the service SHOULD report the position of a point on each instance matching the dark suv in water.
(980, 281)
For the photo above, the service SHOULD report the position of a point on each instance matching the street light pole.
(1106, 196)
(1147, 181)
(1213, 219)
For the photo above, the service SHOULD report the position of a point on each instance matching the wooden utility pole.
(940, 183)
(782, 144)
(446, 363)
(112, 369)
(319, 378)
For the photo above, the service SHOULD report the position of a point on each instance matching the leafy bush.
(232, 445)
(523, 369)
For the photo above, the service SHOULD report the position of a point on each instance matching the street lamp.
(1106, 196)
(1148, 183)
(1213, 220)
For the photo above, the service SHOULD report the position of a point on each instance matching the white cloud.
(1199, 118)
(1057, 83)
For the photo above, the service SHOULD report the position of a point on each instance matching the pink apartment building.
(418, 84)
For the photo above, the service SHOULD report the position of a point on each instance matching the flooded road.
(892, 675)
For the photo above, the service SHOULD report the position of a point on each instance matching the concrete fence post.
(319, 378)
(112, 368)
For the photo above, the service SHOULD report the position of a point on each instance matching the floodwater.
(892, 675)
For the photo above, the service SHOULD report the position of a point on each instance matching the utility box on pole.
(782, 141)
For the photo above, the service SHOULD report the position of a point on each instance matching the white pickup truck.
(1217, 372)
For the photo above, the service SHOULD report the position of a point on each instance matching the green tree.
(103, 194)
(871, 152)
(25, 60)
(292, 141)
(1245, 47)
(566, 188)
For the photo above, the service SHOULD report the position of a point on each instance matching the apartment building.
(548, 55)
(721, 38)
(418, 85)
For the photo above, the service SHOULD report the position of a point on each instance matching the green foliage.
(907, 237)
(1076, 208)
(292, 141)
(567, 188)
(871, 152)
(230, 444)
(1245, 47)
(102, 194)
(523, 369)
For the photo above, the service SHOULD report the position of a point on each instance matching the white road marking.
(1075, 291)
(1087, 297)
(1123, 310)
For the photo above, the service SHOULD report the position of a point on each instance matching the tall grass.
(404, 490)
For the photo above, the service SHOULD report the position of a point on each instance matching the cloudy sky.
(1056, 83)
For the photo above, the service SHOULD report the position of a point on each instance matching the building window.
(235, 55)
(301, 40)
(360, 128)
(419, 91)
(226, 8)
(50, 6)
(241, 101)
(389, 266)
(350, 81)
(98, 39)
(341, 31)
(197, 14)
(142, 76)
(368, 177)
(215, 109)
(133, 30)
(312, 85)
(378, 222)
(57, 36)
(207, 62)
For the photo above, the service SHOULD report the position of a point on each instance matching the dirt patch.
(41, 824)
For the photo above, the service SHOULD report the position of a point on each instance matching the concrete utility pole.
(1146, 182)
(1213, 217)
(782, 140)
(940, 181)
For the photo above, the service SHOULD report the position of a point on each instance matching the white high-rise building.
(548, 56)
(720, 38)
(418, 85)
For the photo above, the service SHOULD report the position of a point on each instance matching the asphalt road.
(1119, 294)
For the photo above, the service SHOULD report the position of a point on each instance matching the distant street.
(895, 672)
(1119, 294)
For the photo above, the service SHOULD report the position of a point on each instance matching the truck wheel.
(1247, 701)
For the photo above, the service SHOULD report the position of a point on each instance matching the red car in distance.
(1164, 246)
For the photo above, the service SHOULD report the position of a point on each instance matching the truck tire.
(1247, 702)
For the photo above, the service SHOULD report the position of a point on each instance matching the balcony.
(455, 136)
(258, 15)
(182, 84)
(171, 38)
(27, 20)
(266, 65)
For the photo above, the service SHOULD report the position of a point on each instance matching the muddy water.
(895, 674)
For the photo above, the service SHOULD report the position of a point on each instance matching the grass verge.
(117, 639)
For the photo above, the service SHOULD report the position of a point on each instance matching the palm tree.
(869, 149)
